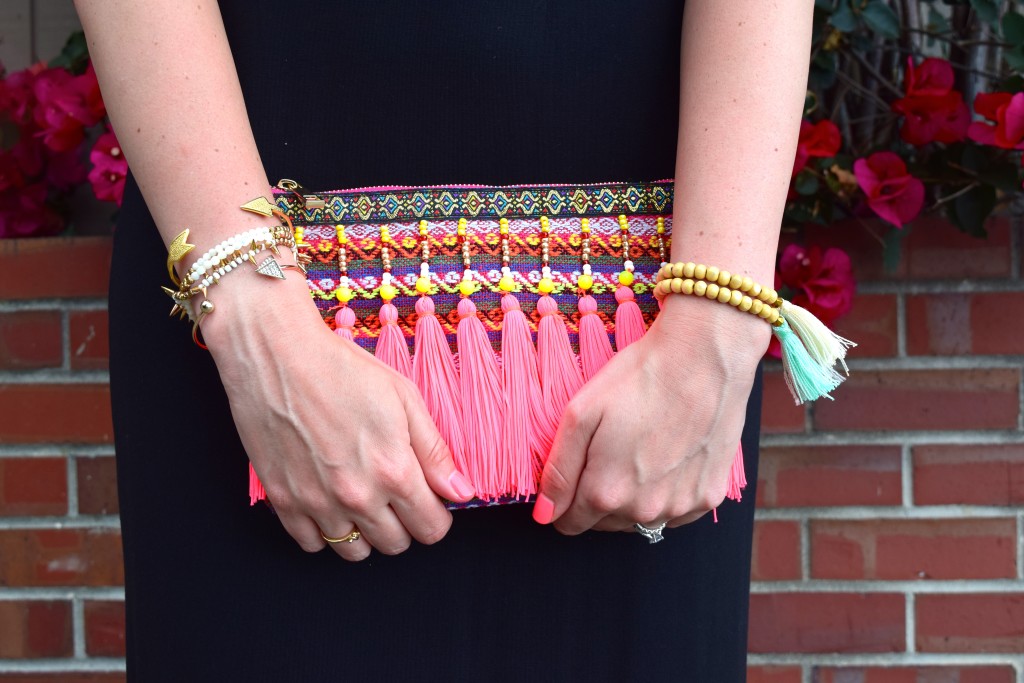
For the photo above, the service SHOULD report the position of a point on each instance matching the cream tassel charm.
(822, 344)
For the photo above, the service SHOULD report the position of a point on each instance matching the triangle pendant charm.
(259, 205)
(270, 268)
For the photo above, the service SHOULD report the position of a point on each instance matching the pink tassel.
(433, 371)
(391, 345)
(256, 491)
(629, 321)
(483, 416)
(344, 321)
(737, 477)
(595, 349)
(560, 376)
(529, 431)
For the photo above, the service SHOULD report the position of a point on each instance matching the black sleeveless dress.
(348, 94)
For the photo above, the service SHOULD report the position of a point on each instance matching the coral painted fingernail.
(543, 510)
(462, 486)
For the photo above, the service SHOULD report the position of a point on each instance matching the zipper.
(312, 200)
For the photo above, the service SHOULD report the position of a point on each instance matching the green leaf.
(1015, 58)
(823, 71)
(1013, 27)
(74, 56)
(843, 18)
(988, 11)
(881, 19)
(806, 183)
(892, 247)
(972, 208)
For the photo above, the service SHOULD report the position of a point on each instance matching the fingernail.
(543, 510)
(463, 488)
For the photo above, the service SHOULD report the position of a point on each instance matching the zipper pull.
(305, 197)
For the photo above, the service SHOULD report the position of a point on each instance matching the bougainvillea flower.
(819, 139)
(66, 105)
(1006, 111)
(932, 110)
(24, 212)
(16, 96)
(819, 280)
(891, 192)
(109, 168)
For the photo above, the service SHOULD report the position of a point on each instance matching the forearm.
(170, 86)
(743, 74)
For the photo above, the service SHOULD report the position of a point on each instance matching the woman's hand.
(338, 439)
(651, 438)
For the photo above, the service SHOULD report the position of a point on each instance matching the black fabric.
(346, 94)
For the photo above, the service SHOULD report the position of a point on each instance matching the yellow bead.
(423, 285)
(755, 290)
(712, 274)
(661, 225)
(700, 287)
(340, 229)
(756, 306)
(699, 271)
(622, 218)
(676, 285)
(344, 294)
(585, 282)
(735, 298)
(342, 240)
(546, 285)
(544, 224)
(678, 270)
(689, 268)
(773, 296)
(626, 278)
(712, 291)
(506, 283)
(467, 287)
(766, 311)
(423, 228)
(745, 303)
(688, 286)
(724, 278)
(461, 228)
(724, 295)
(746, 284)
(736, 282)
(584, 225)
(388, 292)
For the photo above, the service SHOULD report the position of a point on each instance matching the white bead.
(216, 277)
(424, 269)
(586, 269)
(467, 275)
(628, 265)
(505, 270)
(386, 279)
(545, 271)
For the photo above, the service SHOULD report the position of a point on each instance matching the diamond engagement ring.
(653, 535)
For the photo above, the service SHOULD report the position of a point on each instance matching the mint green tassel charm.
(806, 378)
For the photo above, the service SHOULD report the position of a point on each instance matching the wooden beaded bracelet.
(712, 290)
(723, 278)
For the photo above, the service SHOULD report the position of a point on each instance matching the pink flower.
(16, 95)
(933, 111)
(66, 106)
(892, 193)
(1007, 112)
(109, 168)
(820, 281)
(819, 139)
(23, 212)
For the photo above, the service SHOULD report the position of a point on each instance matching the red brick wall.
(888, 546)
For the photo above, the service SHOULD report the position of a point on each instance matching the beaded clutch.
(499, 302)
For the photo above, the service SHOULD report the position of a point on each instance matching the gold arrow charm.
(259, 205)
(176, 251)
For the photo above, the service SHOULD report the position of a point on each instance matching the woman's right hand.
(339, 439)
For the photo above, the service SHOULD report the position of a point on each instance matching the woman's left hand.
(651, 438)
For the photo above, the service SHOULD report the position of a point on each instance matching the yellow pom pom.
(546, 285)
(344, 294)
(423, 285)
(388, 292)
(585, 282)
(506, 283)
(626, 278)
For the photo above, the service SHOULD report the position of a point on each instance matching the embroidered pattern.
(354, 218)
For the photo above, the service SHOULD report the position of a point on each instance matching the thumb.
(565, 463)
(433, 453)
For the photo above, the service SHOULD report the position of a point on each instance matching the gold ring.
(350, 537)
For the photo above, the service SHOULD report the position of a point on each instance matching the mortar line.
(107, 593)
(36, 450)
(1020, 546)
(805, 549)
(67, 665)
(55, 376)
(887, 512)
(911, 621)
(60, 522)
(962, 286)
(72, 484)
(78, 304)
(65, 340)
(890, 586)
(78, 627)
(806, 673)
(883, 437)
(907, 467)
(884, 659)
